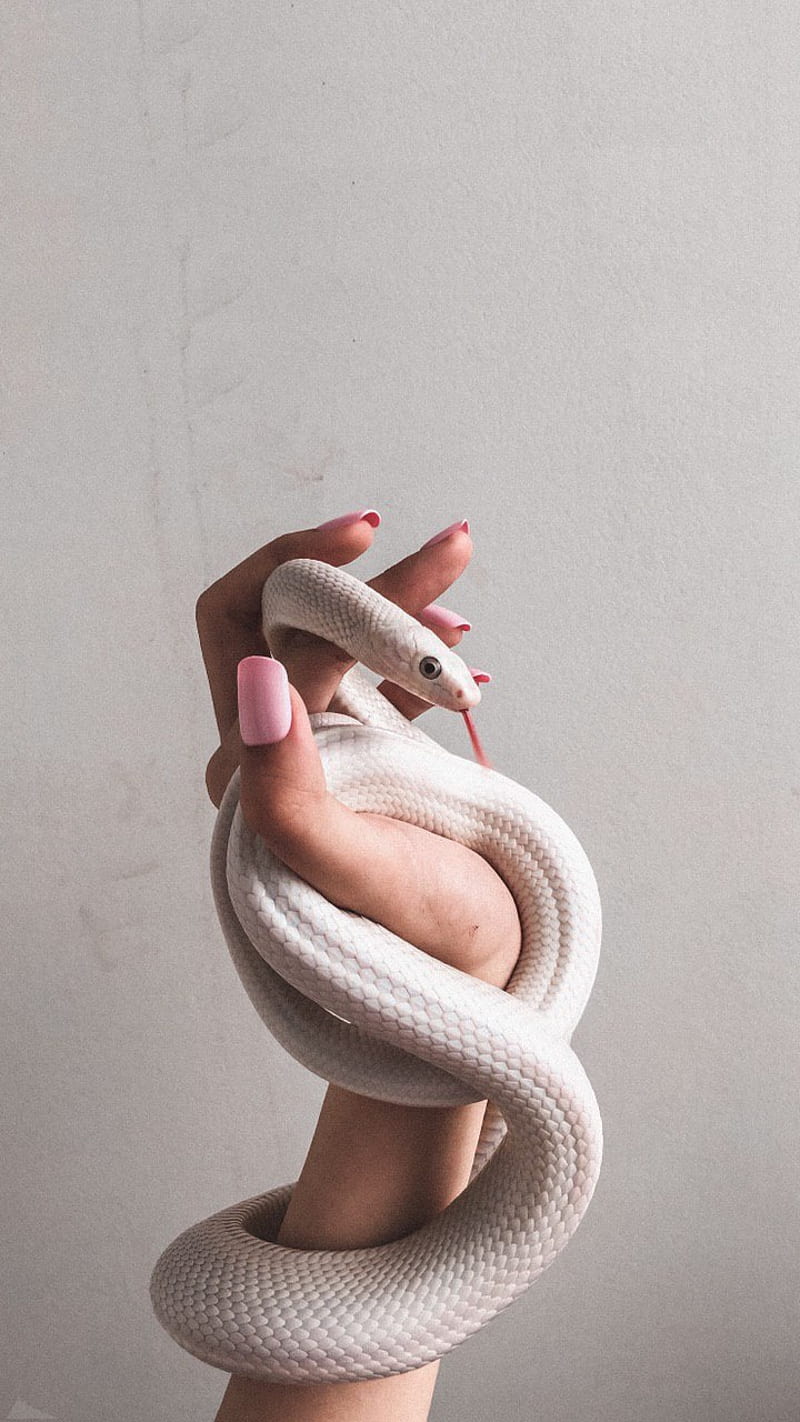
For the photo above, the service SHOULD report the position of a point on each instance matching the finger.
(228, 613)
(423, 576)
(282, 785)
(284, 798)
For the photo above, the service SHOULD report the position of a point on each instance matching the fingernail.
(265, 707)
(434, 615)
(478, 675)
(371, 515)
(445, 533)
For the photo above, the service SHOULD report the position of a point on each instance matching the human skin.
(375, 1170)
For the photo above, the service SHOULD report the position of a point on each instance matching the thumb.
(284, 797)
(282, 789)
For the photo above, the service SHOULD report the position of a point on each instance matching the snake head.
(434, 671)
(331, 603)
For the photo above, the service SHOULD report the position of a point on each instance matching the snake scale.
(361, 1007)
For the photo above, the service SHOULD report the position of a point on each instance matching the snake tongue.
(477, 746)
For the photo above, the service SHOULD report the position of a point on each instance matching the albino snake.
(361, 1007)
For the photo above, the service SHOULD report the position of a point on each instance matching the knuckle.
(212, 784)
(203, 602)
(203, 613)
(218, 773)
(286, 546)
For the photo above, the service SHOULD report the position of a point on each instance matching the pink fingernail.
(479, 675)
(265, 707)
(371, 515)
(445, 533)
(434, 615)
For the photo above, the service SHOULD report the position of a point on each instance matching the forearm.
(374, 1172)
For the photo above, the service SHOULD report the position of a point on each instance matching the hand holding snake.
(338, 854)
(361, 861)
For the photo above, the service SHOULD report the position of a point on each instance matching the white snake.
(361, 1007)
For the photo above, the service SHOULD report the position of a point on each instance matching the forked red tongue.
(480, 753)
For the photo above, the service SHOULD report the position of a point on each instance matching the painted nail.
(265, 707)
(445, 533)
(434, 615)
(479, 675)
(371, 515)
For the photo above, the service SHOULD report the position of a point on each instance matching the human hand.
(461, 911)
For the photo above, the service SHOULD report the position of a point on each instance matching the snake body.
(361, 1007)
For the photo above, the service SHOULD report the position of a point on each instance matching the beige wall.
(534, 265)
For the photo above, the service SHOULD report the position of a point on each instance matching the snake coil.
(360, 1007)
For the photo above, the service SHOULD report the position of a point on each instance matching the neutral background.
(532, 265)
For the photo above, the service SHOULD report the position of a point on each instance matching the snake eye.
(430, 668)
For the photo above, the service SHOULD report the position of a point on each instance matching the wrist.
(376, 1170)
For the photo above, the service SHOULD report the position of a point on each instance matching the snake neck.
(331, 603)
(356, 699)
